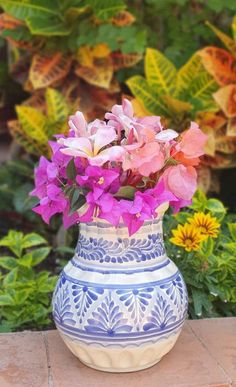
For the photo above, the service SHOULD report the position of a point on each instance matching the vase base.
(121, 360)
(123, 370)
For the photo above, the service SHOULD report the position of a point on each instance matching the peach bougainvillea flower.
(146, 159)
(192, 142)
(181, 180)
(207, 225)
(187, 236)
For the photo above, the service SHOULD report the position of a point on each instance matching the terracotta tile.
(188, 364)
(219, 337)
(23, 361)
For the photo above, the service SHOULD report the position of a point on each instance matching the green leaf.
(48, 26)
(23, 10)
(22, 201)
(33, 239)
(79, 203)
(126, 192)
(6, 299)
(216, 207)
(107, 8)
(207, 247)
(199, 201)
(34, 257)
(13, 241)
(8, 263)
(147, 96)
(10, 278)
(21, 296)
(232, 230)
(71, 170)
(200, 301)
(160, 72)
(26, 260)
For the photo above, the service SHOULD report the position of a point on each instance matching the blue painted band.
(119, 337)
(118, 286)
(118, 271)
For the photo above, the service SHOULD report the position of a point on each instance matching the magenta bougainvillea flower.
(120, 169)
(99, 180)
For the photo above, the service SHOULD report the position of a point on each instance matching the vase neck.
(100, 244)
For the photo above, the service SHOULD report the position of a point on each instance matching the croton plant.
(120, 169)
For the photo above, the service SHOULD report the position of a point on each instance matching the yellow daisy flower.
(187, 236)
(207, 225)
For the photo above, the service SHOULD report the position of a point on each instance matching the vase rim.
(98, 222)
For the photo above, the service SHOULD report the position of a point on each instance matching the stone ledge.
(205, 355)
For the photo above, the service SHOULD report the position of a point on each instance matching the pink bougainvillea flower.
(54, 202)
(121, 116)
(105, 207)
(192, 142)
(69, 219)
(99, 180)
(181, 181)
(178, 204)
(80, 128)
(146, 159)
(135, 212)
(45, 173)
(92, 148)
(162, 194)
(151, 122)
(166, 135)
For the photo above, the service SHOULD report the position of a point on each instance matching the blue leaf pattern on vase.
(62, 307)
(161, 316)
(136, 301)
(122, 250)
(108, 319)
(176, 291)
(84, 296)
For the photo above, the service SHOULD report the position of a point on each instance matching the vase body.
(120, 303)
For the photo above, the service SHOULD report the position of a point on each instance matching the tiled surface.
(205, 355)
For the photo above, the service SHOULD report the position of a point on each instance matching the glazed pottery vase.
(120, 303)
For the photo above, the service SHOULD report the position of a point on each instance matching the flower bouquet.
(120, 169)
(120, 302)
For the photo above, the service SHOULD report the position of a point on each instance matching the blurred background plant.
(174, 58)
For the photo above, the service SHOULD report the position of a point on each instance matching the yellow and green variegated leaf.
(202, 88)
(57, 107)
(226, 40)
(160, 72)
(187, 73)
(234, 27)
(57, 128)
(30, 144)
(25, 9)
(48, 68)
(231, 127)
(147, 96)
(176, 105)
(33, 123)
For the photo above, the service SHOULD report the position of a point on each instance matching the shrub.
(24, 289)
(209, 267)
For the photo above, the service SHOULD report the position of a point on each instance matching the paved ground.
(205, 355)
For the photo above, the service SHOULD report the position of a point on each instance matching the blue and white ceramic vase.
(120, 303)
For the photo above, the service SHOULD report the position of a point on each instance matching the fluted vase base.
(119, 360)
